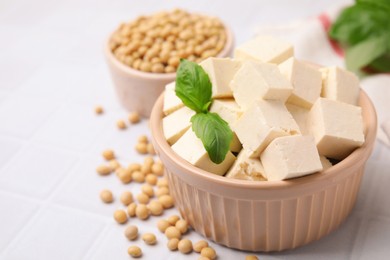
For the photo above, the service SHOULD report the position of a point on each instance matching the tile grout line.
(42, 206)
(22, 197)
(98, 240)
(58, 183)
(84, 151)
(25, 228)
(56, 108)
(8, 163)
(43, 203)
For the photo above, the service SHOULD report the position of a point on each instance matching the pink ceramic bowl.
(138, 90)
(265, 216)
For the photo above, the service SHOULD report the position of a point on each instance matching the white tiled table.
(52, 74)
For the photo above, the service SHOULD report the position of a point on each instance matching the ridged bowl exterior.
(265, 216)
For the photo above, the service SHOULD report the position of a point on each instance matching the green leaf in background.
(215, 134)
(359, 22)
(193, 86)
(380, 3)
(363, 30)
(366, 52)
(382, 64)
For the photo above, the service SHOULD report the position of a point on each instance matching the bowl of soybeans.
(143, 54)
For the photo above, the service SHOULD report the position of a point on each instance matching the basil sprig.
(194, 88)
(364, 31)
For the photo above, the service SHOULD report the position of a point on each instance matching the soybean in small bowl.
(143, 55)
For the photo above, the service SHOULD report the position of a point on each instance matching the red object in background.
(326, 23)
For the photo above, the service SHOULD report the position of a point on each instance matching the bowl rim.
(128, 70)
(370, 127)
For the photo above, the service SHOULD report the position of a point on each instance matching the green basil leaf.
(215, 134)
(382, 64)
(193, 86)
(379, 3)
(364, 53)
(360, 22)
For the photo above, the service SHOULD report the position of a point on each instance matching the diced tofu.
(306, 81)
(326, 164)
(255, 80)
(300, 116)
(229, 111)
(264, 49)
(290, 157)
(191, 148)
(221, 72)
(246, 168)
(171, 101)
(337, 127)
(176, 123)
(264, 121)
(340, 85)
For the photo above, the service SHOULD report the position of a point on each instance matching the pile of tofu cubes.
(288, 116)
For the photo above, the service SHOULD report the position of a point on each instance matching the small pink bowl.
(137, 90)
(265, 216)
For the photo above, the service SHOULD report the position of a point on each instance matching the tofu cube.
(246, 168)
(300, 115)
(290, 157)
(337, 127)
(340, 85)
(306, 81)
(264, 121)
(191, 149)
(264, 49)
(255, 80)
(229, 111)
(171, 101)
(326, 164)
(221, 72)
(176, 124)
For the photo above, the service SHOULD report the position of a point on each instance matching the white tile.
(122, 141)
(99, 90)
(3, 95)
(15, 69)
(26, 13)
(9, 147)
(56, 233)
(10, 4)
(377, 151)
(90, 28)
(60, 19)
(368, 186)
(82, 187)
(36, 171)
(57, 80)
(87, 51)
(373, 241)
(14, 215)
(16, 33)
(114, 245)
(73, 126)
(45, 45)
(20, 116)
(384, 154)
(379, 197)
